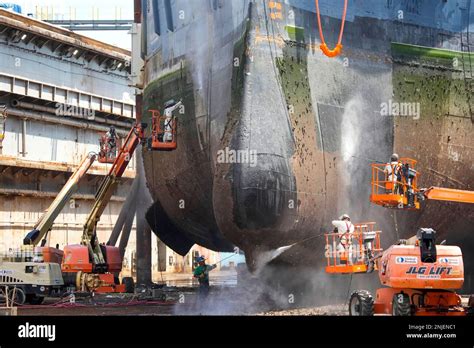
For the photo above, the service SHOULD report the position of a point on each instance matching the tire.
(34, 299)
(129, 285)
(2, 296)
(470, 306)
(20, 297)
(401, 306)
(361, 304)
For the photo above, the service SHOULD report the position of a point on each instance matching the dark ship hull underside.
(253, 83)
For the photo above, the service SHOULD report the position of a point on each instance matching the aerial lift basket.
(108, 154)
(399, 192)
(359, 253)
(163, 133)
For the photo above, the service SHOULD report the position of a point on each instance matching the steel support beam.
(143, 241)
(127, 229)
(125, 212)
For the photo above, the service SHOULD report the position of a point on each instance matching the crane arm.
(45, 223)
(106, 189)
(450, 195)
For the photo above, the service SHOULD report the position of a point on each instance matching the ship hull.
(304, 128)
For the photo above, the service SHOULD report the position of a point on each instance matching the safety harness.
(346, 236)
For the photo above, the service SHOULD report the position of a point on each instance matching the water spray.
(236, 252)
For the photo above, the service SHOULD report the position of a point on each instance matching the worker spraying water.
(202, 274)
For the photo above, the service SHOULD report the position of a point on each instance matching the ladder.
(467, 50)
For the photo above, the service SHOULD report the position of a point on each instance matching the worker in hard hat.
(393, 173)
(201, 272)
(170, 107)
(111, 142)
(409, 174)
(345, 229)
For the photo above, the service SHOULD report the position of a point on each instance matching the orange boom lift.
(93, 266)
(420, 277)
(403, 192)
(90, 265)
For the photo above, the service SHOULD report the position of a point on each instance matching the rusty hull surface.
(316, 125)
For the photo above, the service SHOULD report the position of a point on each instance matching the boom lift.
(45, 223)
(35, 271)
(403, 192)
(419, 276)
(90, 265)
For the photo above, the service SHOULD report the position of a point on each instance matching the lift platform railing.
(357, 255)
(107, 153)
(163, 133)
(395, 185)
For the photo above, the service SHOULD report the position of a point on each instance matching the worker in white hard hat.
(345, 229)
(170, 107)
(393, 172)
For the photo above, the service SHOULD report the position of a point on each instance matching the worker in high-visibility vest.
(345, 229)
(111, 142)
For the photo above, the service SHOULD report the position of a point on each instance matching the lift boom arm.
(45, 223)
(450, 195)
(106, 189)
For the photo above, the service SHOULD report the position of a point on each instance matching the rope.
(338, 49)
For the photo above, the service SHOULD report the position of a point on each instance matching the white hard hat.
(344, 217)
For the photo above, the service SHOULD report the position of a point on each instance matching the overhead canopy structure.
(10, 6)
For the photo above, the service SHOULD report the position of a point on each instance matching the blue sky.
(84, 9)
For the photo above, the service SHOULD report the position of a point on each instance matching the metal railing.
(361, 246)
(404, 175)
